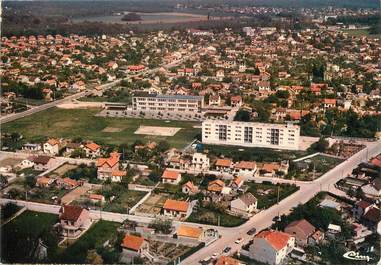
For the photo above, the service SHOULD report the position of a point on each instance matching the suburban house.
(134, 246)
(74, 220)
(244, 204)
(236, 101)
(301, 230)
(245, 168)
(44, 181)
(189, 188)
(189, 232)
(41, 162)
(92, 150)
(117, 175)
(52, 147)
(26, 163)
(28, 147)
(271, 247)
(371, 218)
(67, 183)
(333, 230)
(177, 209)
(216, 186)
(223, 165)
(360, 208)
(97, 198)
(171, 177)
(106, 166)
(200, 161)
(237, 183)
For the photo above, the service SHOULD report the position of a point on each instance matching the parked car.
(252, 231)
(239, 240)
(227, 249)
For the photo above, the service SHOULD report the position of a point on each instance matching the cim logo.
(356, 256)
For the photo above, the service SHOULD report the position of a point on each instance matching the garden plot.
(157, 131)
(152, 205)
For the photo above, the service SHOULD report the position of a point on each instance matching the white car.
(215, 255)
(239, 240)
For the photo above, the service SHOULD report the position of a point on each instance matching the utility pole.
(277, 201)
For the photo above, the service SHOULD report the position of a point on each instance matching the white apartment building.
(165, 103)
(251, 134)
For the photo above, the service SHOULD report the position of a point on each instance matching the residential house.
(28, 147)
(189, 188)
(106, 166)
(371, 218)
(177, 209)
(333, 230)
(171, 177)
(216, 186)
(41, 162)
(223, 165)
(117, 175)
(200, 162)
(51, 147)
(92, 150)
(67, 183)
(329, 103)
(185, 232)
(134, 246)
(74, 220)
(360, 208)
(215, 100)
(97, 198)
(237, 183)
(244, 204)
(301, 230)
(245, 168)
(44, 182)
(271, 247)
(236, 101)
(26, 163)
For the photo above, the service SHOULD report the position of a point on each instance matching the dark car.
(252, 231)
(227, 249)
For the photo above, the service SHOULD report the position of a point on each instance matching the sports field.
(72, 123)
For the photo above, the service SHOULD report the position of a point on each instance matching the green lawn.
(267, 193)
(19, 236)
(92, 239)
(71, 123)
(238, 153)
(124, 201)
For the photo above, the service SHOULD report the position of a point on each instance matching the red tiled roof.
(223, 162)
(132, 242)
(93, 146)
(246, 165)
(70, 212)
(111, 161)
(276, 239)
(180, 206)
(170, 174)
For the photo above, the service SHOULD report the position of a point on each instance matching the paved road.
(15, 116)
(264, 219)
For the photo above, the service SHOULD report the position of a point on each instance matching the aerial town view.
(213, 132)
